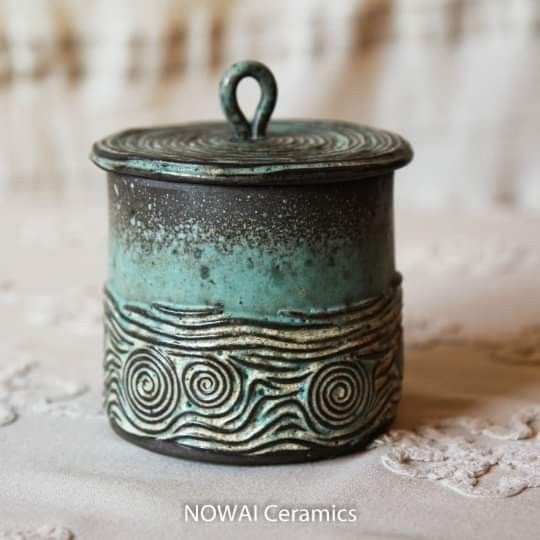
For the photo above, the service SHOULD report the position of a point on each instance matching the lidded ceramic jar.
(252, 308)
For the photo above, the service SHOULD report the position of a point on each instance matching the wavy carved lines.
(284, 341)
(207, 381)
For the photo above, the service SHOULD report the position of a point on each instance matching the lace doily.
(472, 456)
(25, 387)
(45, 532)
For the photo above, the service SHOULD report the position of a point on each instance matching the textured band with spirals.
(238, 386)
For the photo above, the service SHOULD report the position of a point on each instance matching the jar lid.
(256, 153)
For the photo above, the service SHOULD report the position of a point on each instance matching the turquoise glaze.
(153, 262)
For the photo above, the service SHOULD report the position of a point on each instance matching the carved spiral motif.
(338, 393)
(286, 143)
(151, 387)
(210, 383)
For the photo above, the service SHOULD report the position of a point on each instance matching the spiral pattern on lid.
(209, 150)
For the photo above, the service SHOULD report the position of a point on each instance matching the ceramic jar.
(252, 308)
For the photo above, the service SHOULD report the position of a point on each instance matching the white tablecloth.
(472, 321)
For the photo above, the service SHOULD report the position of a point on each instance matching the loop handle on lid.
(229, 103)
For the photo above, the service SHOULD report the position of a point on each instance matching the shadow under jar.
(252, 308)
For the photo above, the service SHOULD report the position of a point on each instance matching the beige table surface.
(472, 322)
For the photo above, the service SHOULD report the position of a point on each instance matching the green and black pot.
(252, 308)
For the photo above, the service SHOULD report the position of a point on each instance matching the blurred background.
(459, 78)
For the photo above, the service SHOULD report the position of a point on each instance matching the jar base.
(170, 448)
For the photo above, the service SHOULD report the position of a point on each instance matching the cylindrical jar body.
(252, 324)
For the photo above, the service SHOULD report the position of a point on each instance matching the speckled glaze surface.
(253, 308)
